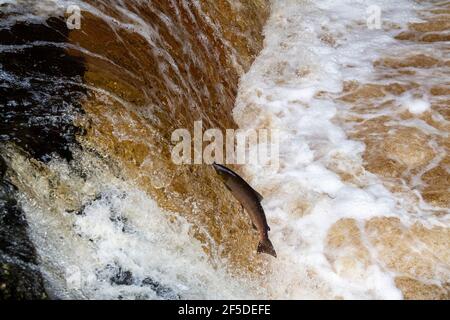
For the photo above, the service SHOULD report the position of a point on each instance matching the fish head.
(221, 171)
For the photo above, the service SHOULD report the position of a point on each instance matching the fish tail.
(265, 246)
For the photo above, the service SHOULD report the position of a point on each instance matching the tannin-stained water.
(136, 71)
(358, 207)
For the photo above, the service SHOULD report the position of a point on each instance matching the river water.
(358, 207)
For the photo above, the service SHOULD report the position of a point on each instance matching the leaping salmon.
(250, 200)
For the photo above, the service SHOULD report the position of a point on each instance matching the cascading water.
(102, 102)
(358, 206)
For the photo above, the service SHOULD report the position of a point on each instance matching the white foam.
(120, 234)
(126, 229)
(30, 11)
(417, 106)
(313, 46)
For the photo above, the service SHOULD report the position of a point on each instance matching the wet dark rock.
(20, 282)
(116, 275)
(40, 89)
(120, 222)
(122, 278)
(20, 278)
(81, 211)
(3, 168)
(161, 290)
(40, 93)
(13, 237)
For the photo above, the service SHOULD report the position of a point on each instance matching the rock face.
(19, 275)
(37, 101)
(41, 93)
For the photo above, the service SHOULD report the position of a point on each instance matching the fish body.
(250, 200)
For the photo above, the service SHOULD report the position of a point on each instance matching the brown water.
(358, 207)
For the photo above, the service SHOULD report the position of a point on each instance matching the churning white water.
(312, 47)
(120, 245)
